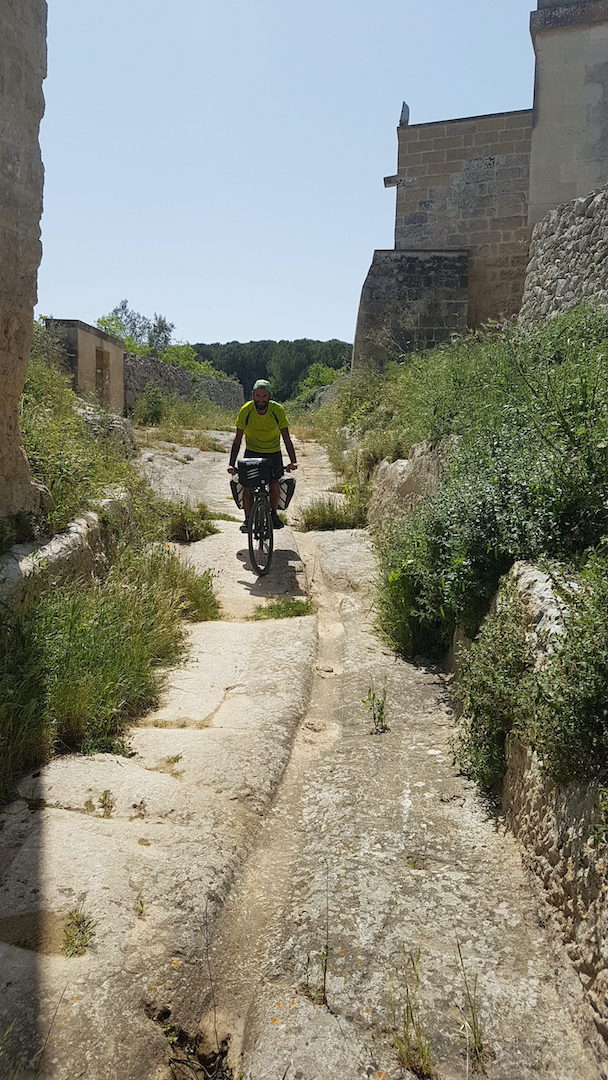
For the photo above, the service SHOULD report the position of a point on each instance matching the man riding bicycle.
(263, 422)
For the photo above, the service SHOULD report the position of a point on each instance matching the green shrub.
(151, 406)
(568, 725)
(527, 478)
(493, 690)
(185, 356)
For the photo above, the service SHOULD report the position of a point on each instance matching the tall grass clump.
(330, 512)
(81, 660)
(76, 467)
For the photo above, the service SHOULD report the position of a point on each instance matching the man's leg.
(246, 507)
(274, 502)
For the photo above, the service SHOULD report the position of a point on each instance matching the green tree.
(138, 333)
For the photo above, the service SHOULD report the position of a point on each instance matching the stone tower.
(468, 192)
(569, 153)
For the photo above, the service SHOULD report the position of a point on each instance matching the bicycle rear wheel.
(261, 539)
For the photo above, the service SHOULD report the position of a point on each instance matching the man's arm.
(290, 450)
(234, 450)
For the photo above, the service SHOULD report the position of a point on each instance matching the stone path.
(268, 872)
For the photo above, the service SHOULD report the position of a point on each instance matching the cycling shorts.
(275, 458)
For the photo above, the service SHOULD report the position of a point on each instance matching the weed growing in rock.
(11, 1067)
(412, 1045)
(284, 607)
(376, 704)
(493, 691)
(473, 1030)
(106, 804)
(77, 932)
(559, 708)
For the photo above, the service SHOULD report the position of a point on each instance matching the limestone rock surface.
(399, 485)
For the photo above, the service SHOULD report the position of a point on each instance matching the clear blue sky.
(222, 162)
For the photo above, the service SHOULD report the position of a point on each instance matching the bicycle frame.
(259, 529)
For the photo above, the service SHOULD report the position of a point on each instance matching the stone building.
(468, 191)
(22, 70)
(96, 360)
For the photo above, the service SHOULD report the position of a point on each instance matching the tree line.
(284, 363)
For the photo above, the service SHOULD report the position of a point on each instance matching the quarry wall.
(22, 70)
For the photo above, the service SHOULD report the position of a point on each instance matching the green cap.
(262, 384)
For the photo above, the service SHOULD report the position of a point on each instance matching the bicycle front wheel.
(260, 534)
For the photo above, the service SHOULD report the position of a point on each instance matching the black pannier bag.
(253, 472)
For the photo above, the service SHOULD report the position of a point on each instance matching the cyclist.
(263, 422)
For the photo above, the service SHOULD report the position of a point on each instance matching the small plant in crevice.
(412, 1044)
(186, 524)
(477, 1050)
(107, 803)
(78, 931)
(376, 704)
(318, 992)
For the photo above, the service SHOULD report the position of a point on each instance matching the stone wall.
(555, 822)
(22, 70)
(555, 825)
(464, 184)
(140, 371)
(568, 263)
(410, 300)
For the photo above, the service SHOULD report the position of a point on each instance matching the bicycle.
(254, 473)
